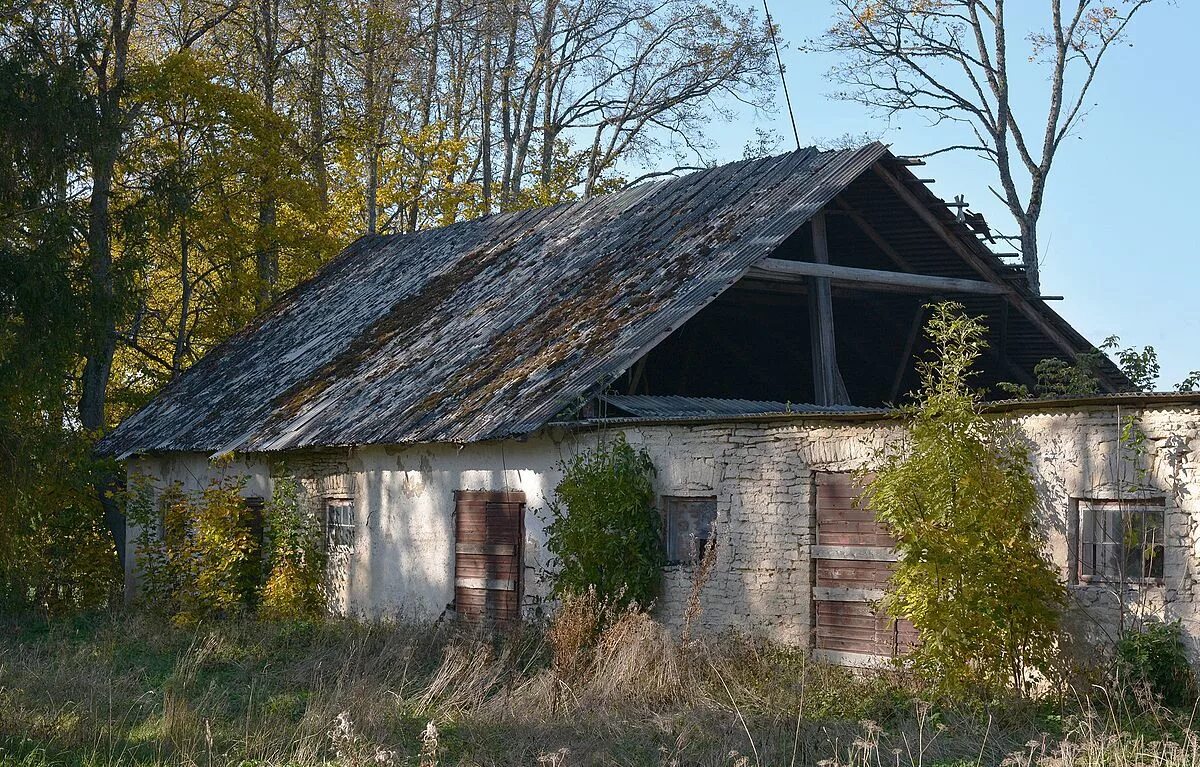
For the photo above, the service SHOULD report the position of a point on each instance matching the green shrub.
(958, 496)
(604, 530)
(198, 557)
(194, 550)
(56, 556)
(295, 586)
(1155, 657)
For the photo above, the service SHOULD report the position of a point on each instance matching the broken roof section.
(488, 328)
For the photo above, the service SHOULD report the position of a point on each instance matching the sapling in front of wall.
(959, 498)
(296, 585)
(604, 530)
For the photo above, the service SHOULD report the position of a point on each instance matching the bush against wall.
(209, 554)
(958, 496)
(55, 554)
(296, 559)
(1155, 659)
(194, 550)
(604, 530)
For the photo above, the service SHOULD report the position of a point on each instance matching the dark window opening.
(687, 527)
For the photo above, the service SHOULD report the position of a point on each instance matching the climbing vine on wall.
(295, 587)
(194, 549)
(211, 554)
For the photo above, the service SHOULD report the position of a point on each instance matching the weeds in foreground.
(109, 691)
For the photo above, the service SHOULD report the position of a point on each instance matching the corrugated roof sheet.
(486, 328)
(1135, 400)
(671, 406)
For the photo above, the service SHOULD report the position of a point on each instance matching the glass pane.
(339, 523)
(1121, 541)
(689, 526)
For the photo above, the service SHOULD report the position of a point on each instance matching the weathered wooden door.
(853, 560)
(489, 530)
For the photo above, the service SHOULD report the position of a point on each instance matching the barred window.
(687, 526)
(339, 523)
(1121, 540)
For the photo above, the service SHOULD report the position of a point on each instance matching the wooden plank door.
(853, 560)
(489, 530)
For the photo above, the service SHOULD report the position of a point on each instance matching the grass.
(130, 690)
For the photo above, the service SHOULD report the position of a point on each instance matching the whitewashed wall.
(761, 475)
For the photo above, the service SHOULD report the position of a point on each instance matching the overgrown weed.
(110, 690)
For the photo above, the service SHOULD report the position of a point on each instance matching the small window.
(339, 524)
(255, 521)
(1121, 540)
(687, 527)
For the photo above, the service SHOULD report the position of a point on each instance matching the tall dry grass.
(589, 689)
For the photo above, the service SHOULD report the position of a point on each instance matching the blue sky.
(1116, 234)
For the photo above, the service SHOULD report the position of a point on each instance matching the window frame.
(668, 528)
(1093, 568)
(332, 545)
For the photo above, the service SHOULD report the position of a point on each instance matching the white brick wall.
(761, 475)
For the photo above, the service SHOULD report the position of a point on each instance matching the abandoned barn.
(750, 325)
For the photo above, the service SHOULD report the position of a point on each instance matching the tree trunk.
(101, 344)
(185, 301)
(506, 105)
(485, 103)
(1029, 252)
(431, 84)
(316, 105)
(267, 257)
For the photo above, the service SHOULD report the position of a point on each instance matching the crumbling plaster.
(761, 474)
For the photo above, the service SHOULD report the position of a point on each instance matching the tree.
(200, 150)
(169, 168)
(950, 60)
(958, 496)
(54, 553)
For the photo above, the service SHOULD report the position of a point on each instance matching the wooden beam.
(789, 271)
(828, 386)
(936, 224)
(985, 269)
(635, 376)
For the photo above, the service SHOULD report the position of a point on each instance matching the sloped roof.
(486, 328)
